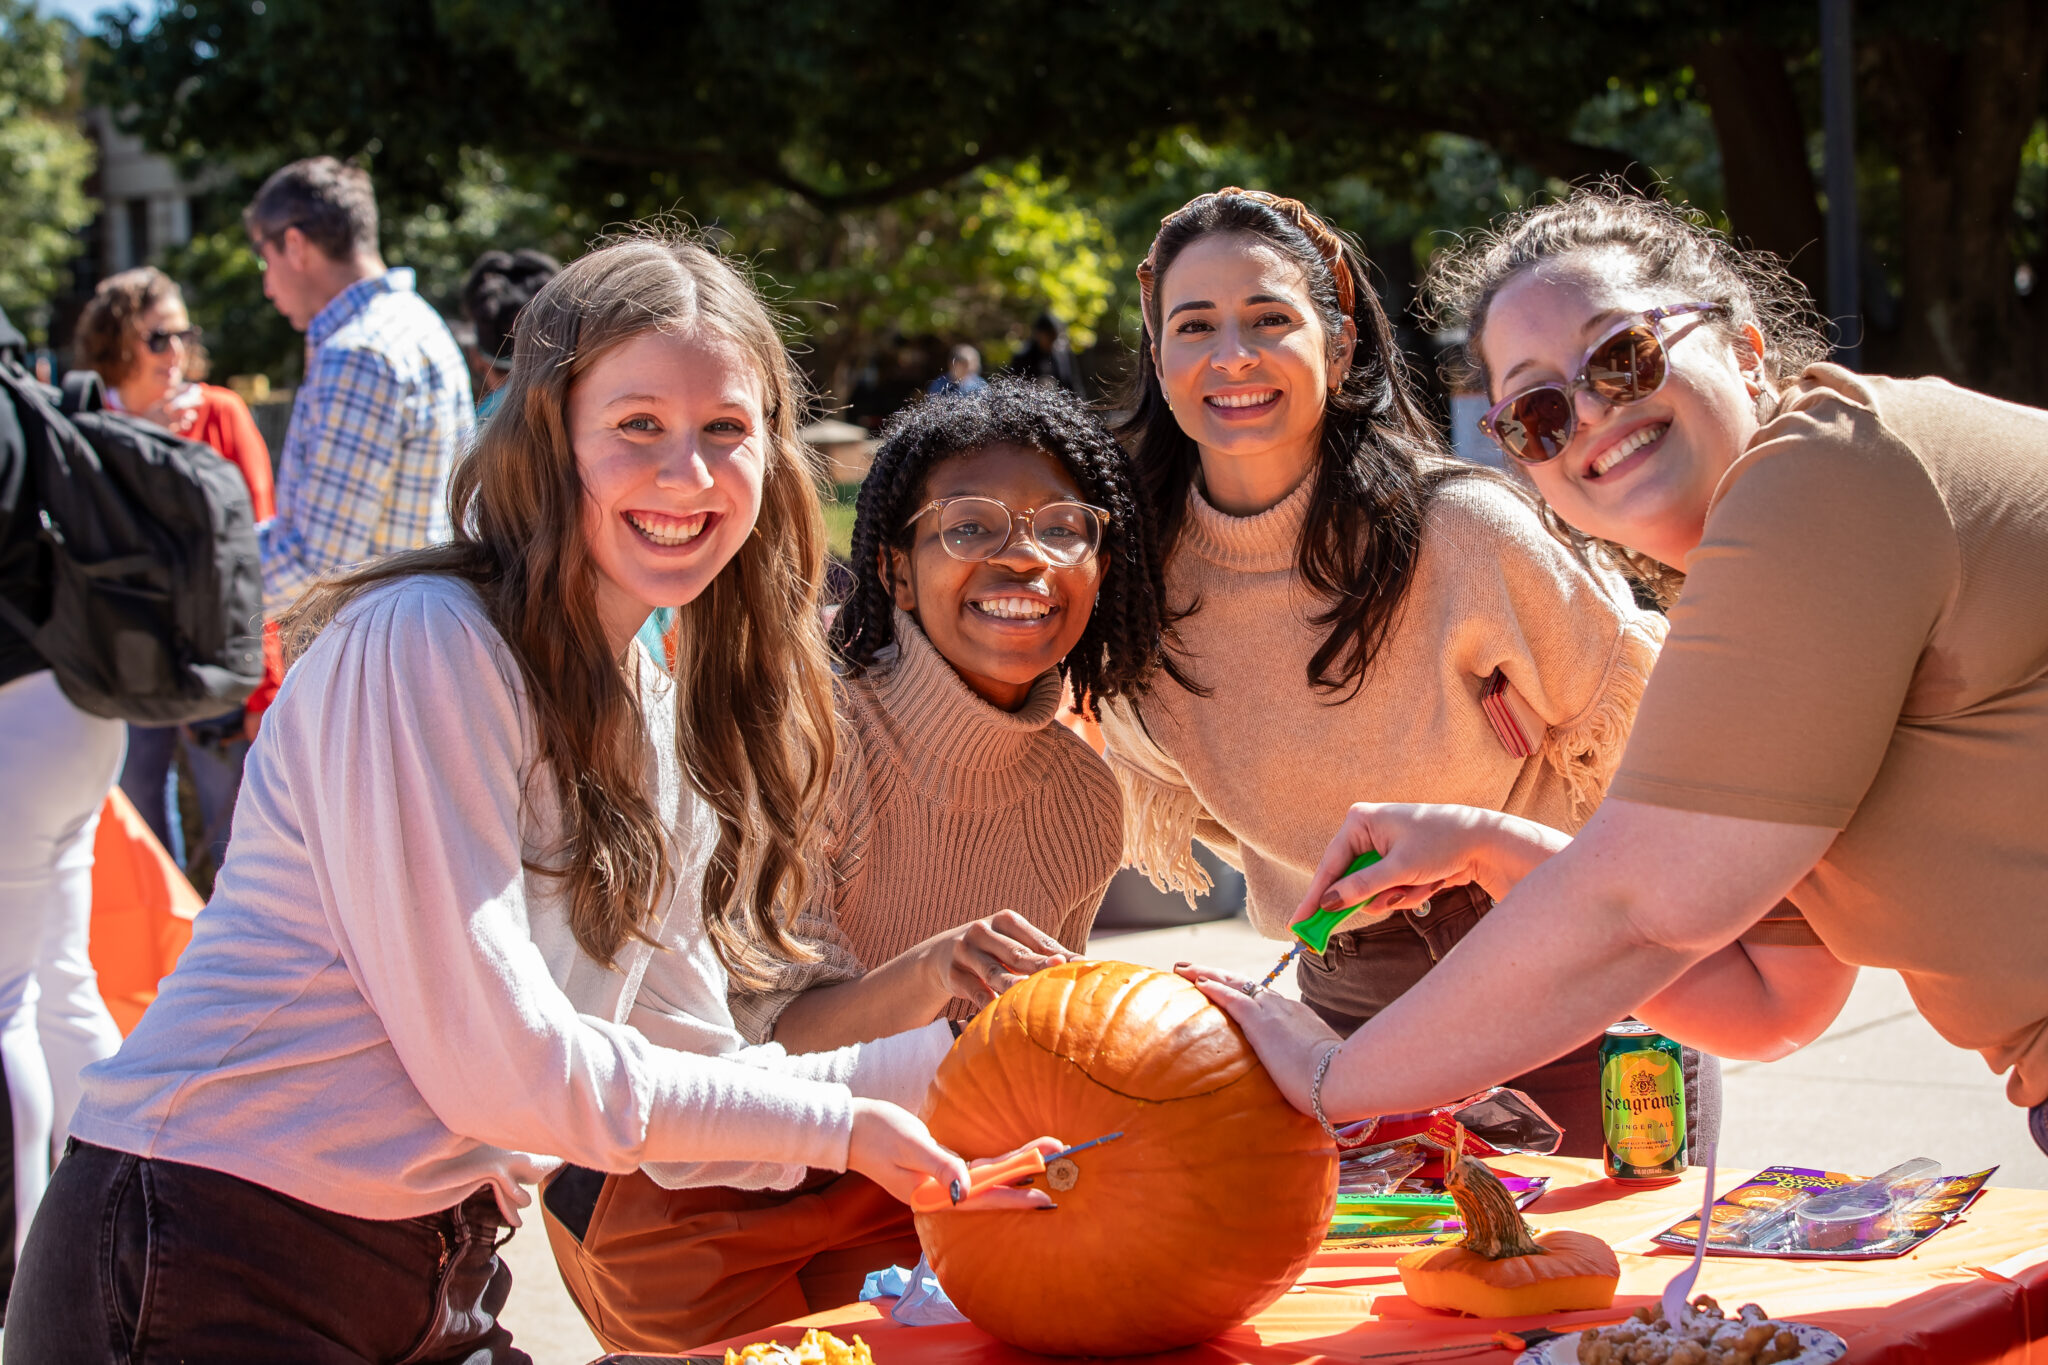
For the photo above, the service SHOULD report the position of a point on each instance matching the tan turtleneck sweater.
(1264, 767)
(946, 809)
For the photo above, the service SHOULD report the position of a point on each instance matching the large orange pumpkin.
(1204, 1211)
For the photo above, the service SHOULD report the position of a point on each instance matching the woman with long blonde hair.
(491, 868)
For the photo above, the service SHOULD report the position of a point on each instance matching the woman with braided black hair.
(999, 550)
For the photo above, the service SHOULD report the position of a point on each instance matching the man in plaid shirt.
(385, 408)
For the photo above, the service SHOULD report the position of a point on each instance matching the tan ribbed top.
(1264, 767)
(946, 809)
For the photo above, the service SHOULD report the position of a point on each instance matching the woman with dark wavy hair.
(1354, 613)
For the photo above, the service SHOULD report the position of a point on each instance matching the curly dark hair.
(1379, 465)
(1116, 654)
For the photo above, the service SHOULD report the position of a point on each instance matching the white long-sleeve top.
(383, 1008)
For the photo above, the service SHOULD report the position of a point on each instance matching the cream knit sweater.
(946, 809)
(1264, 767)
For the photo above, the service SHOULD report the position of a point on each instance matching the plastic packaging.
(1790, 1211)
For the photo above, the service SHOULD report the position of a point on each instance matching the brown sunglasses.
(1626, 365)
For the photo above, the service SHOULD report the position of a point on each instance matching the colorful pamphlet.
(1797, 1213)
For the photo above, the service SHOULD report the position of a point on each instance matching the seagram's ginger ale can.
(1642, 1104)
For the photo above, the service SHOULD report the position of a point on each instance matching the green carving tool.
(1314, 932)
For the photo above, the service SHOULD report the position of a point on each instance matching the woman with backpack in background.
(136, 335)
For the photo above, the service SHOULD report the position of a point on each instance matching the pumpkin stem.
(1493, 1225)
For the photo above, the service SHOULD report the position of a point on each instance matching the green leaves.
(44, 162)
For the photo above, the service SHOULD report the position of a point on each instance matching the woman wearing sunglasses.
(1354, 614)
(136, 334)
(1852, 707)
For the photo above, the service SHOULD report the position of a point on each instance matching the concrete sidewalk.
(1878, 1087)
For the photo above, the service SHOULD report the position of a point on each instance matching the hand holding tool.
(1020, 1169)
(1314, 932)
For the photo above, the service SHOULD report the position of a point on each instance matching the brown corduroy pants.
(664, 1271)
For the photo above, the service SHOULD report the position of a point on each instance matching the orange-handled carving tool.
(931, 1196)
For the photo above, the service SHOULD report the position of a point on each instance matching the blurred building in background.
(146, 208)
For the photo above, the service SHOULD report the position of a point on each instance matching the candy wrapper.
(1889, 1227)
(1418, 1214)
(1497, 1122)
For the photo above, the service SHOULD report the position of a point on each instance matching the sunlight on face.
(1246, 366)
(1640, 474)
(1001, 622)
(671, 444)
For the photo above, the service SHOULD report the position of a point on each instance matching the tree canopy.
(1416, 114)
(44, 162)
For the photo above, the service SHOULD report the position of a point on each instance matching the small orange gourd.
(1201, 1214)
(1501, 1269)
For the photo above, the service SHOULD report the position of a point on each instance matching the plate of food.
(817, 1348)
(1707, 1337)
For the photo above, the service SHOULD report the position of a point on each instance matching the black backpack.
(156, 597)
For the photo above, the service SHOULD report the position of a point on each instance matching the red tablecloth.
(1976, 1292)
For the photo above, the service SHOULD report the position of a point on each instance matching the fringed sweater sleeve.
(1162, 816)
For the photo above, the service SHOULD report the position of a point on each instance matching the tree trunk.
(1764, 172)
(1956, 120)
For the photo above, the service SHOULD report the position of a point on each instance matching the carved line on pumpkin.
(1239, 1079)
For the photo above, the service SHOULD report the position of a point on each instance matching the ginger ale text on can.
(1642, 1104)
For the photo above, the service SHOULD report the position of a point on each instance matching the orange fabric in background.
(1974, 1294)
(142, 909)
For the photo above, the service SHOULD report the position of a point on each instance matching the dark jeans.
(214, 752)
(1365, 970)
(134, 1262)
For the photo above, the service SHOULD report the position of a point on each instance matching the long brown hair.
(1378, 465)
(755, 729)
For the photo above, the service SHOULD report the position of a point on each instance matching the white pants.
(56, 766)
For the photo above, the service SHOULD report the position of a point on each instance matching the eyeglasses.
(160, 340)
(1626, 365)
(1065, 534)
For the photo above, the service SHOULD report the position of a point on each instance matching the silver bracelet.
(1315, 1090)
(1315, 1100)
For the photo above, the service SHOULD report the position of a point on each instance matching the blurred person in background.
(385, 407)
(1048, 358)
(963, 374)
(136, 335)
(499, 285)
(56, 766)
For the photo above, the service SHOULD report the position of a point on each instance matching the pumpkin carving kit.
(1204, 1212)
